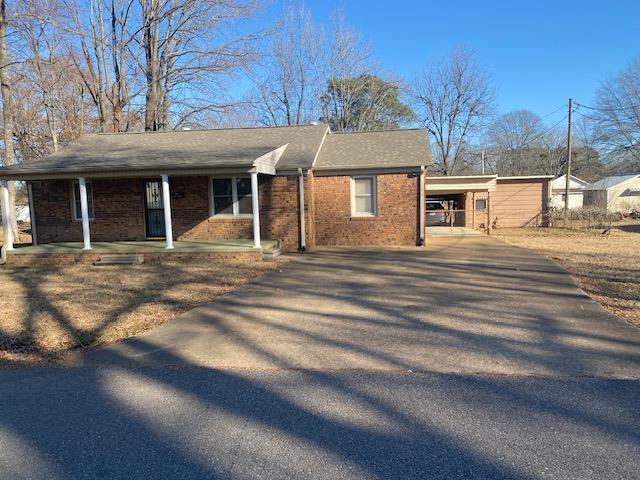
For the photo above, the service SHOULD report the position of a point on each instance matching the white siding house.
(576, 192)
(622, 192)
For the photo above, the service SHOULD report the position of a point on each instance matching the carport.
(458, 205)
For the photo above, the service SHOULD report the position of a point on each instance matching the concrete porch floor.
(148, 246)
(451, 231)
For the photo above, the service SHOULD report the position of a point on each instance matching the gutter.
(303, 240)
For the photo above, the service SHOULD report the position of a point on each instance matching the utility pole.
(567, 188)
(482, 160)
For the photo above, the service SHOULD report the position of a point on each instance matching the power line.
(542, 134)
(551, 113)
(586, 116)
(598, 109)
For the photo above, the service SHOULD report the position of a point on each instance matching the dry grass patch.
(48, 311)
(606, 266)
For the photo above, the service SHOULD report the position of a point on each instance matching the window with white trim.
(230, 196)
(75, 201)
(363, 196)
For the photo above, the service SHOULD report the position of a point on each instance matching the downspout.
(423, 206)
(303, 242)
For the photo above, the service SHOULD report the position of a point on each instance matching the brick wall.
(120, 218)
(119, 211)
(396, 222)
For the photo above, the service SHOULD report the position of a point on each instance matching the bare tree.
(7, 111)
(291, 79)
(617, 113)
(453, 99)
(190, 51)
(348, 57)
(374, 104)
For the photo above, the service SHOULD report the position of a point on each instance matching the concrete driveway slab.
(460, 305)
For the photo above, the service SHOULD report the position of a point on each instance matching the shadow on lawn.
(158, 288)
(123, 419)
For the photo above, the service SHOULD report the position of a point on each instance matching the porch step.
(272, 252)
(122, 259)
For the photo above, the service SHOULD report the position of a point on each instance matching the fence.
(585, 218)
(457, 218)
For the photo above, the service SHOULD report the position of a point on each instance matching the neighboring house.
(301, 185)
(617, 193)
(577, 188)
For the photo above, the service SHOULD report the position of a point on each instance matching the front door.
(153, 209)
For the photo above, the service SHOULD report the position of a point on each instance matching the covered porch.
(99, 210)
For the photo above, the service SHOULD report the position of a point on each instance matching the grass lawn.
(48, 311)
(607, 267)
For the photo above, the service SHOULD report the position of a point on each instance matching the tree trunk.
(7, 114)
(150, 41)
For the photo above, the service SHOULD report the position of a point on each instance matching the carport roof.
(461, 184)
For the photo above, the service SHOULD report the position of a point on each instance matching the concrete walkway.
(462, 305)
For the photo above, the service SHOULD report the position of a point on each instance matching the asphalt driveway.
(462, 305)
(515, 374)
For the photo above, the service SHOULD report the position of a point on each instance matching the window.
(363, 196)
(481, 204)
(75, 201)
(231, 196)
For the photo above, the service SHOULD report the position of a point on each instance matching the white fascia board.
(266, 164)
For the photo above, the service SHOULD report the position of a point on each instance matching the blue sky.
(539, 52)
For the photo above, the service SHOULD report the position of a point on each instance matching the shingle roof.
(382, 149)
(233, 148)
(612, 181)
(237, 147)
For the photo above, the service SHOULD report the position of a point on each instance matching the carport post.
(6, 214)
(166, 202)
(84, 212)
(473, 209)
(488, 213)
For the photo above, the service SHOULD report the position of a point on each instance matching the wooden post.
(488, 213)
(473, 209)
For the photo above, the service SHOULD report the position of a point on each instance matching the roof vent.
(314, 123)
(184, 129)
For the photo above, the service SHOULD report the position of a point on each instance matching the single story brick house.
(301, 185)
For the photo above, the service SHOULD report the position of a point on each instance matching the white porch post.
(166, 201)
(256, 210)
(6, 214)
(84, 210)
